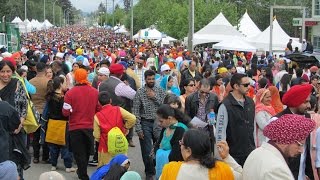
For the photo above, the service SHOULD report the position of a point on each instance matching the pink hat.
(289, 129)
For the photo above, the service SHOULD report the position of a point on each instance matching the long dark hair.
(172, 98)
(285, 81)
(199, 143)
(269, 75)
(8, 63)
(185, 83)
(165, 110)
(53, 85)
(115, 172)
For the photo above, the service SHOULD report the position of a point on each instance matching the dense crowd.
(80, 92)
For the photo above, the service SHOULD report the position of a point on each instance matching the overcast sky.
(92, 5)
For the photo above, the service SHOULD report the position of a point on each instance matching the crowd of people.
(205, 114)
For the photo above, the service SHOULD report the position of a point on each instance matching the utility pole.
(131, 28)
(191, 25)
(54, 20)
(25, 9)
(106, 13)
(112, 13)
(44, 10)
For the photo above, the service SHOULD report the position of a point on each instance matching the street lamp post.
(191, 25)
(113, 13)
(64, 15)
(44, 10)
(131, 24)
(25, 9)
(53, 11)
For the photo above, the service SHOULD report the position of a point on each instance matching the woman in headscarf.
(121, 160)
(275, 99)
(264, 111)
(167, 83)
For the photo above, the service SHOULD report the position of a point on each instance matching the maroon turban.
(289, 129)
(296, 95)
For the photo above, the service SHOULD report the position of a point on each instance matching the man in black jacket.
(191, 72)
(235, 119)
(201, 102)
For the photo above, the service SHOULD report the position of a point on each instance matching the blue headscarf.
(103, 170)
(174, 89)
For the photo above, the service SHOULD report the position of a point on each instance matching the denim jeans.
(146, 145)
(66, 155)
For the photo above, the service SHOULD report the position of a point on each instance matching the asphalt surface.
(134, 154)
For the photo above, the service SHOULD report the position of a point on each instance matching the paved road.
(134, 154)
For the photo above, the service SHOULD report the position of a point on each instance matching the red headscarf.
(262, 107)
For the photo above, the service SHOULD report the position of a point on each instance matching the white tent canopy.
(151, 33)
(279, 39)
(17, 20)
(46, 24)
(120, 29)
(217, 30)
(235, 44)
(247, 27)
(165, 40)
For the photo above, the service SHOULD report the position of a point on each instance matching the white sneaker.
(53, 168)
(72, 169)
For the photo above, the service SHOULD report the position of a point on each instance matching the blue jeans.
(66, 155)
(146, 145)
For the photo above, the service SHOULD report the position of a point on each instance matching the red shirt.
(83, 100)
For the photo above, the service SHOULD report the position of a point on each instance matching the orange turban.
(16, 55)
(171, 65)
(81, 76)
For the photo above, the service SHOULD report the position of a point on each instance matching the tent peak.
(220, 20)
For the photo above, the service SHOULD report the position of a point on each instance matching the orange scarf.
(221, 171)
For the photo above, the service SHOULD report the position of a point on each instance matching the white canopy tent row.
(235, 44)
(217, 30)
(247, 27)
(16, 20)
(279, 39)
(27, 26)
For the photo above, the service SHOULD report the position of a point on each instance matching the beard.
(150, 85)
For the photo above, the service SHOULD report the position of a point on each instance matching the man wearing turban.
(80, 105)
(287, 137)
(297, 100)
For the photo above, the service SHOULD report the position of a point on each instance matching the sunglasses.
(246, 85)
(191, 85)
(202, 92)
(167, 70)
